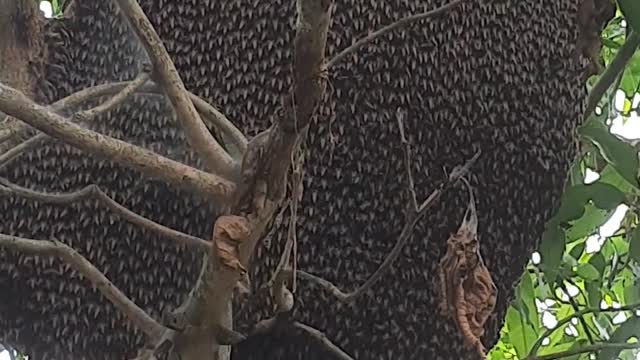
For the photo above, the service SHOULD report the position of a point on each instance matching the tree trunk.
(495, 76)
(22, 50)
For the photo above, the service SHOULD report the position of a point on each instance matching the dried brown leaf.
(228, 233)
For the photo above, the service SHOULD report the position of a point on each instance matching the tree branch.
(586, 349)
(281, 320)
(210, 114)
(118, 98)
(263, 183)
(93, 191)
(214, 156)
(227, 129)
(139, 317)
(22, 147)
(322, 338)
(16, 104)
(406, 21)
(611, 73)
(576, 308)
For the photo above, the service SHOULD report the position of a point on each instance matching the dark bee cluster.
(495, 76)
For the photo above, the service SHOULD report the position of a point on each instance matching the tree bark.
(22, 50)
(22, 44)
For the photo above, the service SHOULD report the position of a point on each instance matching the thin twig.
(291, 244)
(612, 71)
(118, 98)
(55, 248)
(406, 21)
(26, 145)
(95, 192)
(322, 338)
(407, 159)
(212, 153)
(536, 346)
(412, 219)
(586, 349)
(16, 104)
(576, 309)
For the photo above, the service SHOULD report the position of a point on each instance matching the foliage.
(585, 271)
(56, 6)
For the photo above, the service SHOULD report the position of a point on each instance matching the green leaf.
(610, 43)
(619, 244)
(594, 296)
(634, 244)
(605, 196)
(558, 337)
(598, 261)
(629, 83)
(631, 11)
(521, 334)
(577, 250)
(496, 354)
(619, 154)
(575, 198)
(610, 176)
(631, 293)
(526, 294)
(572, 204)
(588, 272)
(569, 261)
(628, 329)
(588, 223)
(551, 250)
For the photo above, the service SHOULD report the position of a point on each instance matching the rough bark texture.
(21, 47)
(22, 52)
(492, 75)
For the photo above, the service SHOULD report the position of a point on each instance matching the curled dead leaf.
(228, 233)
(467, 289)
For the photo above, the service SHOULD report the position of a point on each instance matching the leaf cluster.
(588, 264)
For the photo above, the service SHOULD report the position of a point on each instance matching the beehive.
(496, 76)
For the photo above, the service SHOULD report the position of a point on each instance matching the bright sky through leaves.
(47, 9)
